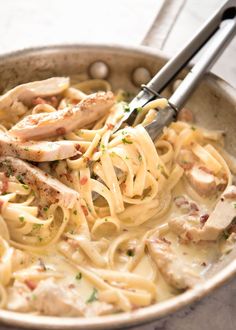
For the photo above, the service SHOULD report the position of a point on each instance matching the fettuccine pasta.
(121, 224)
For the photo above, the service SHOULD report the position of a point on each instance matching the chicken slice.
(202, 181)
(222, 216)
(44, 125)
(46, 188)
(174, 271)
(52, 299)
(219, 220)
(56, 299)
(19, 298)
(42, 151)
(27, 92)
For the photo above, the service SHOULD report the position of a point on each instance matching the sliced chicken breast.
(27, 92)
(19, 298)
(222, 216)
(46, 188)
(42, 151)
(174, 271)
(201, 181)
(56, 300)
(219, 220)
(44, 125)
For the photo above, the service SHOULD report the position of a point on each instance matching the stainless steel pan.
(214, 105)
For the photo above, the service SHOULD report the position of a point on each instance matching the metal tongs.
(218, 31)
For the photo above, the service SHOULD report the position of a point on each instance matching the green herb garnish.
(126, 108)
(125, 141)
(20, 178)
(37, 226)
(78, 276)
(21, 218)
(130, 253)
(93, 296)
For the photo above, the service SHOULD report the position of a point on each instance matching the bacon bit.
(4, 184)
(205, 169)
(75, 157)
(78, 147)
(123, 186)
(85, 210)
(61, 131)
(181, 201)
(74, 101)
(39, 100)
(68, 176)
(185, 115)
(221, 186)
(95, 149)
(203, 218)
(110, 126)
(31, 284)
(54, 101)
(163, 239)
(186, 165)
(189, 236)
(83, 180)
(194, 207)
(51, 101)
(71, 286)
(1, 204)
(86, 159)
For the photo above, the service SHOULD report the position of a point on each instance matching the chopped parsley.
(45, 209)
(106, 220)
(78, 276)
(25, 186)
(125, 141)
(20, 178)
(235, 205)
(102, 148)
(37, 226)
(93, 296)
(193, 128)
(140, 109)
(130, 252)
(9, 168)
(126, 108)
(26, 149)
(140, 158)
(21, 218)
(75, 212)
(226, 234)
